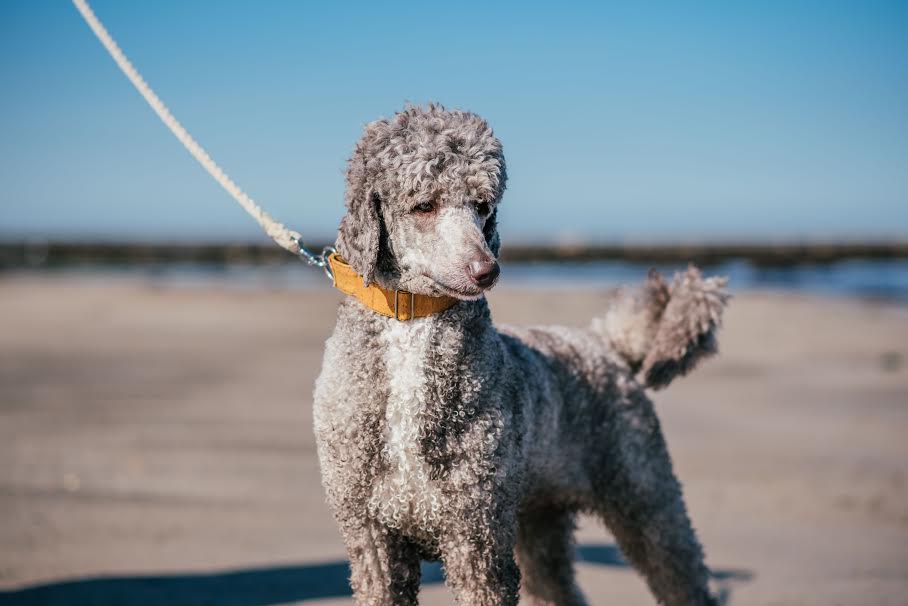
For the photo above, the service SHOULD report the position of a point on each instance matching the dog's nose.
(484, 273)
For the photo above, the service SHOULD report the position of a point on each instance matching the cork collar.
(398, 304)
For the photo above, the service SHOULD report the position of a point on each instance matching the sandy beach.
(156, 448)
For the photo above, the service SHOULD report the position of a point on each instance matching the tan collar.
(397, 304)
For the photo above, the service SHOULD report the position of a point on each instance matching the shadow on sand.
(251, 587)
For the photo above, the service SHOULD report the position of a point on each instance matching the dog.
(443, 436)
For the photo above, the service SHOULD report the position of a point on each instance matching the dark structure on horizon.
(61, 254)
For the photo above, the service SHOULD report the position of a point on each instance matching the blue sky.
(663, 121)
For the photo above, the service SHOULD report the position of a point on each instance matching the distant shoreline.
(58, 254)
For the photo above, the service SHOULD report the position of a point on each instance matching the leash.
(284, 237)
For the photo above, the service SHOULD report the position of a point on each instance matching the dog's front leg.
(478, 557)
(384, 566)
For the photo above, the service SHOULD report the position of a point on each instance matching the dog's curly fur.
(448, 437)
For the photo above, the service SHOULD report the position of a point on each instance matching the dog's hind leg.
(640, 500)
(545, 553)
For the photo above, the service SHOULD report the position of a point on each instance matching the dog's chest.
(405, 497)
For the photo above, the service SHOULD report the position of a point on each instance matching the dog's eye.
(483, 208)
(424, 207)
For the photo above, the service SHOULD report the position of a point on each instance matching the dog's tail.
(664, 330)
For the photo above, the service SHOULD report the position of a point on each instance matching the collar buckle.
(397, 305)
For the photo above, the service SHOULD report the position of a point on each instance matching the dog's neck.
(456, 316)
(454, 332)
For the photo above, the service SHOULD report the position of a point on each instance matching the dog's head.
(422, 193)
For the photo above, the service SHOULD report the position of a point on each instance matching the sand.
(156, 448)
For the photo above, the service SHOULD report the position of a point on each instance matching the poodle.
(444, 436)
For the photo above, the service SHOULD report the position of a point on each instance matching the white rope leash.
(277, 231)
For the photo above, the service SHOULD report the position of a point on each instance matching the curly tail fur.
(665, 329)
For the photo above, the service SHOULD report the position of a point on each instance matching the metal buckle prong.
(397, 305)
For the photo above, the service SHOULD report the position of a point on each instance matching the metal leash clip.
(316, 260)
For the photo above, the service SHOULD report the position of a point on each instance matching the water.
(867, 279)
(881, 279)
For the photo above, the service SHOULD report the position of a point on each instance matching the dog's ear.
(359, 233)
(490, 231)
(500, 177)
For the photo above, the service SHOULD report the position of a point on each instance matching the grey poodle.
(447, 437)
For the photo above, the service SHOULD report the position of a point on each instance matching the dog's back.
(578, 382)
